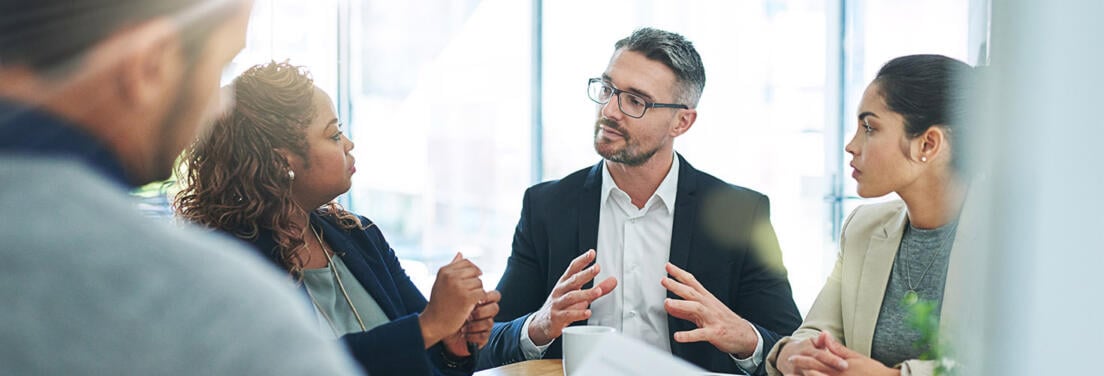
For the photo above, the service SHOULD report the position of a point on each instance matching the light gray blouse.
(334, 315)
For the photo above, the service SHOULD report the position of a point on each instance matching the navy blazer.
(721, 234)
(394, 348)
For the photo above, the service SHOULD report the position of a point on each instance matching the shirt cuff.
(752, 363)
(532, 351)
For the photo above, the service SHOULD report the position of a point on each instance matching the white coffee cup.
(578, 343)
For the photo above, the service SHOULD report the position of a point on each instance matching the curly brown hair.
(235, 180)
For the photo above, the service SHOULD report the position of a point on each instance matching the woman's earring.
(922, 159)
(291, 175)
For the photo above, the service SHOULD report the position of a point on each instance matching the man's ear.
(684, 120)
(150, 62)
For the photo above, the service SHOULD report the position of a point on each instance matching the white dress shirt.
(634, 245)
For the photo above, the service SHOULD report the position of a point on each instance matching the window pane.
(441, 120)
(884, 29)
(299, 31)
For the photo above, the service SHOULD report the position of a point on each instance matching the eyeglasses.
(630, 104)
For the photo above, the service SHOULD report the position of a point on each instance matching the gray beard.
(624, 156)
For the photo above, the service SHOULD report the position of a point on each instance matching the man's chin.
(605, 150)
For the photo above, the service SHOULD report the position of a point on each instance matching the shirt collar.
(33, 132)
(667, 190)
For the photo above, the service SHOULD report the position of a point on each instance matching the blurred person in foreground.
(640, 215)
(269, 172)
(96, 98)
(897, 254)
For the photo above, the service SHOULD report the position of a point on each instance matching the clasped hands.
(459, 311)
(825, 356)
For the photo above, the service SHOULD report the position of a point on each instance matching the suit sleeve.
(826, 313)
(397, 347)
(763, 295)
(523, 292)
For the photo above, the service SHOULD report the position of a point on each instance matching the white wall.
(1042, 142)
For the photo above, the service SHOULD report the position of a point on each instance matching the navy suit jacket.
(721, 234)
(394, 348)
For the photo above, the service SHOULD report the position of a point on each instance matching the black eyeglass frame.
(615, 92)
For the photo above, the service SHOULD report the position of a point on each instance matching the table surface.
(540, 367)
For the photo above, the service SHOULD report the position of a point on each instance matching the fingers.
(821, 340)
(479, 326)
(581, 278)
(460, 268)
(577, 297)
(683, 291)
(789, 350)
(684, 309)
(838, 348)
(821, 351)
(607, 285)
(478, 329)
(802, 365)
(566, 317)
(492, 296)
(479, 339)
(577, 264)
(830, 359)
(485, 311)
(684, 277)
(696, 335)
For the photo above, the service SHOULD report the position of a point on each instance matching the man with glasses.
(641, 214)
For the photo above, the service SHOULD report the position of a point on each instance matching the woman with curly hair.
(268, 173)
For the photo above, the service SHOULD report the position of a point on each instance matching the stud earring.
(923, 159)
(291, 175)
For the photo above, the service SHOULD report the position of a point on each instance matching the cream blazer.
(851, 299)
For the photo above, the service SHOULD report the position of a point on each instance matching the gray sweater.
(921, 265)
(91, 287)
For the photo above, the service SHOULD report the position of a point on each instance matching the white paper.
(620, 355)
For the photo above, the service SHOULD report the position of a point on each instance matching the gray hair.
(677, 53)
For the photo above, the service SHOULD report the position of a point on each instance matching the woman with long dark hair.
(897, 254)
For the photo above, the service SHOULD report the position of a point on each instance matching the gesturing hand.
(568, 303)
(455, 293)
(717, 324)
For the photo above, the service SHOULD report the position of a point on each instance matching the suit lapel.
(364, 269)
(877, 266)
(957, 290)
(686, 215)
(685, 219)
(588, 212)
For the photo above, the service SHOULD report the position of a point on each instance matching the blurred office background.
(456, 106)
